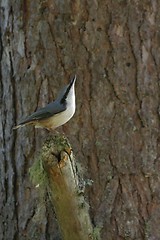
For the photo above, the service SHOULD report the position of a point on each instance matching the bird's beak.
(73, 80)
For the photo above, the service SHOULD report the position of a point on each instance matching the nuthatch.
(55, 113)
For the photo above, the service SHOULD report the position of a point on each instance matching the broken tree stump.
(66, 192)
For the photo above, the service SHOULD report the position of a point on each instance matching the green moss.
(37, 174)
(96, 233)
(40, 180)
(147, 229)
(55, 145)
(58, 141)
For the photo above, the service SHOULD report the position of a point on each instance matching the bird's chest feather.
(59, 118)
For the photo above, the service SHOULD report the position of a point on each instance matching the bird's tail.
(18, 126)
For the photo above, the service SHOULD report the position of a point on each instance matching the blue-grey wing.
(46, 112)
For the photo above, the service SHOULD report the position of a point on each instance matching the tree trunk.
(113, 47)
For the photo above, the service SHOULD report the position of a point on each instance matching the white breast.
(60, 118)
(63, 117)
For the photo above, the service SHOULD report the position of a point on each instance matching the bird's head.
(68, 92)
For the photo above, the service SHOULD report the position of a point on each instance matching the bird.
(56, 113)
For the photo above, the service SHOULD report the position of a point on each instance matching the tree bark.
(113, 47)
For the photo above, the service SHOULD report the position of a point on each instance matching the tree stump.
(66, 192)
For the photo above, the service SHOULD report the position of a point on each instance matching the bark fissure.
(13, 147)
